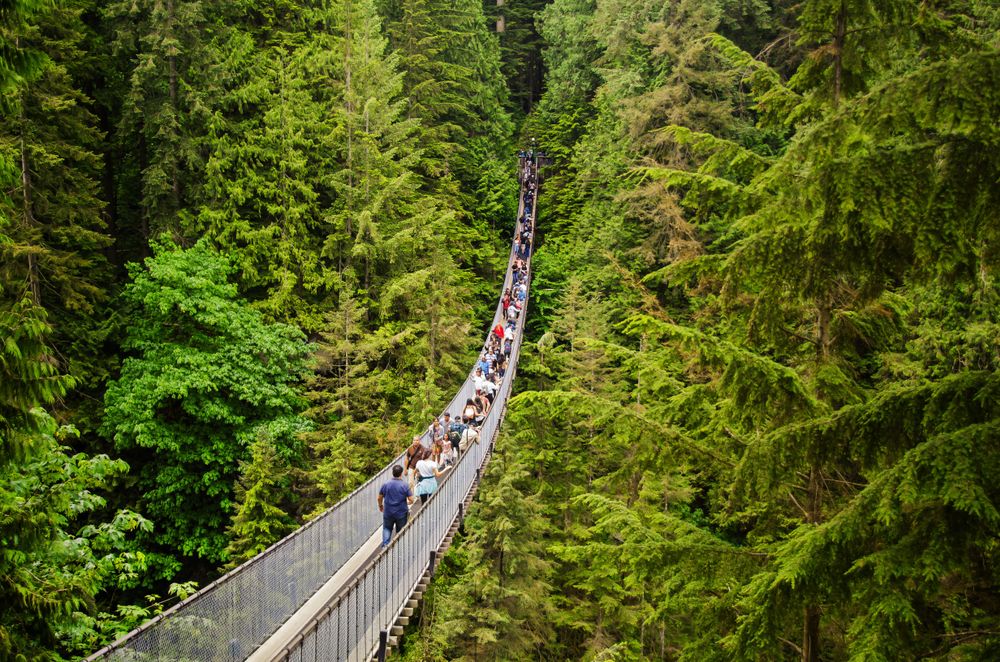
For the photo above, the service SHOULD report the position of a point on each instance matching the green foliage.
(30, 378)
(55, 234)
(205, 378)
(54, 562)
(18, 63)
(521, 50)
(357, 180)
(761, 398)
(163, 105)
(259, 519)
(757, 416)
(499, 606)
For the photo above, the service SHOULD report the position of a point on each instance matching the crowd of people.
(430, 455)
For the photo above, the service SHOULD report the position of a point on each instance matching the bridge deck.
(273, 647)
(329, 591)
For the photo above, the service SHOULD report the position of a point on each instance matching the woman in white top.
(427, 475)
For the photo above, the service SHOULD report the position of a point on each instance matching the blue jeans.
(388, 522)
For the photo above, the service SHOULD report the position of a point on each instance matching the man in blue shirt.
(394, 499)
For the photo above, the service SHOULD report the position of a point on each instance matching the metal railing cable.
(354, 624)
(231, 617)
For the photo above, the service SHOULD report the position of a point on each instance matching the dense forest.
(248, 249)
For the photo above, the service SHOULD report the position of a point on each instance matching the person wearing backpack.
(455, 431)
(414, 454)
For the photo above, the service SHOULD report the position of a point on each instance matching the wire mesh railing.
(231, 617)
(352, 625)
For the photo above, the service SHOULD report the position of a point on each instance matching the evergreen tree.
(348, 405)
(261, 193)
(499, 605)
(54, 563)
(18, 63)
(56, 234)
(521, 46)
(259, 519)
(453, 85)
(162, 107)
(809, 354)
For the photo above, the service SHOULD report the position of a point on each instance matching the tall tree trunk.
(144, 228)
(839, 39)
(34, 281)
(811, 612)
(810, 634)
(346, 377)
(349, 108)
(175, 182)
(824, 314)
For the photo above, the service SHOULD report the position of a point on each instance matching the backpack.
(414, 454)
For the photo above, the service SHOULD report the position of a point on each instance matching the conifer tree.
(373, 152)
(498, 608)
(825, 246)
(806, 439)
(520, 46)
(18, 63)
(163, 105)
(54, 561)
(349, 403)
(261, 194)
(56, 234)
(452, 83)
(259, 519)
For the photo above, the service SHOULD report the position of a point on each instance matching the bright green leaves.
(48, 572)
(50, 569)
(206, 376)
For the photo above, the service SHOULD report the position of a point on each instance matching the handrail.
(354, 624)
(233, 615)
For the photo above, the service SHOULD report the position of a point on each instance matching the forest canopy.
(248, 250)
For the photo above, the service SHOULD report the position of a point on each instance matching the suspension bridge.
(329, 591)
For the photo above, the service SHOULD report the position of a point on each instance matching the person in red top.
(498, 331)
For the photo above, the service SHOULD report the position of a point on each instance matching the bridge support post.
(430, 568)
(383, 639)
(461, 518)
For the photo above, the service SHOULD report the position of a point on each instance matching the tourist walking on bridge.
(394, 499)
